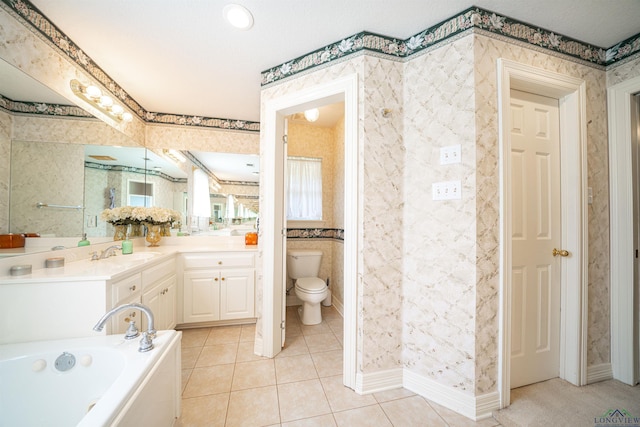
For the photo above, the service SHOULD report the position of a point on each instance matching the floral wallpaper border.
(468, 20)
(31, 16)
(41, 108)
(315, 233)
(131, 169)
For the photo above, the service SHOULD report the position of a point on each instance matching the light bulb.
(106, 101)
(117, 109)
(93, 91)
(312, 115)
(238, 16)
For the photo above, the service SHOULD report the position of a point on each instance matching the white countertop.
(79, 267)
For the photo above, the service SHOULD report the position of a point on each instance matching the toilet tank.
(303, 263)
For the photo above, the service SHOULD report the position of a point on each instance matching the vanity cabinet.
(218, 286)
(125, 291)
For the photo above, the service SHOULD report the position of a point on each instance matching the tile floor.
(226, 384)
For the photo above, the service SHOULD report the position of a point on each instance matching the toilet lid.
(311, 284)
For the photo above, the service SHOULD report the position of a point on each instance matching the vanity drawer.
(219, 260)
(126, 288)
(158, 272)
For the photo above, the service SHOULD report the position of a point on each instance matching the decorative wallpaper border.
(470, 19)
(131, 169)
(41, 108)
(315, 233)
(35, 19)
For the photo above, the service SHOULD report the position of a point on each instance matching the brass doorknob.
(560, 252)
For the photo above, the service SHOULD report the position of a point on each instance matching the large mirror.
(65, 171)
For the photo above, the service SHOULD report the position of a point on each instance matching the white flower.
(415, 42)
(196, 120)
(326, 55)
(285, 68)
(476, 19)
(345, 45)
(41, 107)
(496, 21)
(554, 40)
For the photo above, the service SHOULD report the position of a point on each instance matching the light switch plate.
(447, 190)
(450, 154)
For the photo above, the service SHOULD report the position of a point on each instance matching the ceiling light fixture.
(238, 16)
(312, 115)
(93, 95)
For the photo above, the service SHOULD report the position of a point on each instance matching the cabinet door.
(151, 298)
(120, 320)
(201, 296)
(168, 302)
(237, 288)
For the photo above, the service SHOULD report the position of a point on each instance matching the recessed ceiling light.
(238, 16)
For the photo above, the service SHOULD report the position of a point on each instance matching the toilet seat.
(311, 285)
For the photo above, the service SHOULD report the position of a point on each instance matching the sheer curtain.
(304, 188)
(201, 197)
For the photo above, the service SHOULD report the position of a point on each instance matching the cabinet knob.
(216, 279)
(219, 262)
(133, 288)
(222, 278)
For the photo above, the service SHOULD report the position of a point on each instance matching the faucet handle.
(146, 343)
(94, 256)
(132, 331)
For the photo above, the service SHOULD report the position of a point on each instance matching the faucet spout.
(151, 332)
(109, 251)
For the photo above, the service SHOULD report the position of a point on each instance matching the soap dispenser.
(84, 241)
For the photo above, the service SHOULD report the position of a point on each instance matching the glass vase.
(154, 234)
(119, 232)
(136, 230)
(166, 229)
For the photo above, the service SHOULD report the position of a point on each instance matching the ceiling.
(181, 57)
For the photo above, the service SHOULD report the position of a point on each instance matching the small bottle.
(127, 247)
(84, 241)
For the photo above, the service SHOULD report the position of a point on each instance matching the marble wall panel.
(487, 51)
(45, 183)
(440, 236)
(337, 284)
(625, 70)
(6, 125)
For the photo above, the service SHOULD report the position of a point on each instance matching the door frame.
(571, 93)
(623, 350)
(273, 245)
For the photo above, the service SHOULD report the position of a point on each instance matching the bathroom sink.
(136, 256)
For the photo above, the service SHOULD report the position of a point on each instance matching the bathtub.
(97, 381)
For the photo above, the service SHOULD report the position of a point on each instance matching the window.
(304, 188)
(140, 193)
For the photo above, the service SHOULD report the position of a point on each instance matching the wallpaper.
(6, 121)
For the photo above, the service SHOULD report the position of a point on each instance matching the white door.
(535, 219)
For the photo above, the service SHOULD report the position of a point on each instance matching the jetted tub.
(97, 381)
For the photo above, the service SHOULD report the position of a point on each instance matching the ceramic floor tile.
(254, 374)
(221, 354)
(248, 333)
(295, 368)
(194, 337)
(224, 335)
(186, 374)
(412, 411)
(190, 357)
(302, 399)
(294, 346)
(321, 421)
(210, 380)
(336, 325)
(342, 398)
(321, 328)
(204, 411)
(328, 363)
(322, 342)
(253, 407)
(365, 417)
(396, 393)
(246, 352)
(293, 329)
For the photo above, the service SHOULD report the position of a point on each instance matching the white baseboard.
(473, 407)
(338, 306)
(601, 372)
(258, 349)
(378, 381)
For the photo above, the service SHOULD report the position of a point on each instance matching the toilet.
(303, 266)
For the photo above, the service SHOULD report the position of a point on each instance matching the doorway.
(536, 234)
(571, 94)
(273, 225)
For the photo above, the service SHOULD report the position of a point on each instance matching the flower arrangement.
(136, 215)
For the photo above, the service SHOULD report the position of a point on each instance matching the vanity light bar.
(93, 95)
